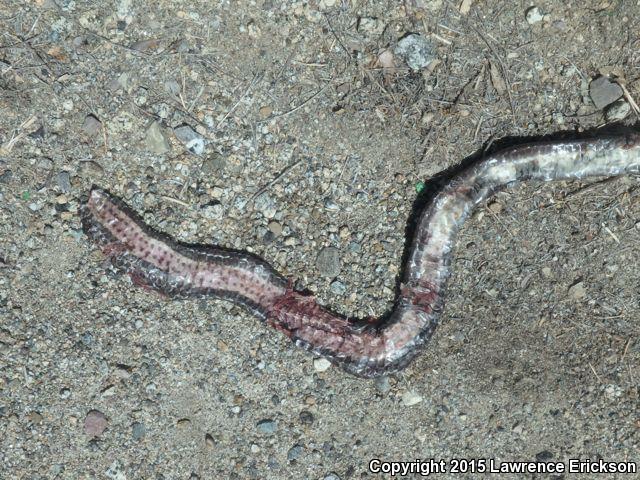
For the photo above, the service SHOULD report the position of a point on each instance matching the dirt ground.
(287, 127)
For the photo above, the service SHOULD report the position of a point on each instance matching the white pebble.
(533, 15)
(321, 364)
(612, 391)
(410, 398)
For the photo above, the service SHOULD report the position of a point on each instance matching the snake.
(363, 347)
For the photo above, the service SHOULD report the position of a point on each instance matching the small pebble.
(330, 205)
(604, 92)
(183, 423)
(95, 423)
(91, 125)
(382, 384)
(577, 291)
(138, 430)
(416, 51)
(56, 469)
(294, 452)
(560, 25)
(371, 25)
(45, 163)
(495, 207)
(410, 398)
(331, 476)
(617, 111)
(266, 426)
(156, 141)
(213, 211)
(354, 247)
(544, 456)
(213, 164)
(5, 177)
(122, 372)
(321, 364)
(172, 87)
(126, 82)
(533, 15)
(109, 391)
(328, 262)
(140, 96)
(275, 227)
(35, 418)
(612, 391)
(265, 205)
(115, 472)
(265, 112)
(64, 181)
(91, 168)
(87, 339)
(272, 463)
(306, 417)
(67, 105)
(191, 139)
(338, 287)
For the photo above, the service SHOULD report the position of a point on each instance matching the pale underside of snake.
(365, 348)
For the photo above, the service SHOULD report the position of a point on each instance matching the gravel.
(316, 136)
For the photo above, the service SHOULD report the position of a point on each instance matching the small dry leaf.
(57, 53)
(577, 291)
(386, 60)
(145, 45)
(465, 6)
(265, 111)
(496, 79)
(183, 423)
(495, 207)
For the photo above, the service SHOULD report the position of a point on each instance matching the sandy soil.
(315, 134)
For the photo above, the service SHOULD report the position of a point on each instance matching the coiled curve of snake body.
(364, 348)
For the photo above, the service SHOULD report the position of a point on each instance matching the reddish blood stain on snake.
(363, 347)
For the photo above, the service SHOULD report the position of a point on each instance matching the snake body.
(362, 347)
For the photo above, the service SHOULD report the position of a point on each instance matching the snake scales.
(364, 348)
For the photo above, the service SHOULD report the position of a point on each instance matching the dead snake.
(362, 347)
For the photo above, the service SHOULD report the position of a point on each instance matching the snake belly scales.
(366, 348)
